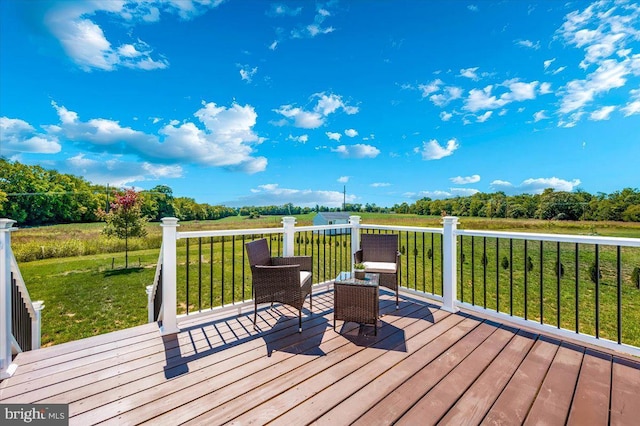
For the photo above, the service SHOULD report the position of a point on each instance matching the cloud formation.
(325, 106)
(460, 180)
(83, 40)
(225, 138)
(535, 186)
(357, 151)
(273, 194)
(432, 150)
(18, 136)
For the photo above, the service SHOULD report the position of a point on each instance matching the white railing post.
(149, 290)
(354, 221)
(449, 272)
(289, 225)
(36, 322)
(169, 276)
(6, 367)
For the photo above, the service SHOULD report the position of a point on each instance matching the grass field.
(90, 294)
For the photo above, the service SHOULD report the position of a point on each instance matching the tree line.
(33, 195)
(621, 205)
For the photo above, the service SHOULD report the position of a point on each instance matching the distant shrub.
(594, 273)
(505, 263)
(559, 269)
(485, 259)
(429, 253)
(635, 277)
(529, 264)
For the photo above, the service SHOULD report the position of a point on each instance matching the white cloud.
(602, 114)
(545, 88)
(85, 43)
(114, 171)
(343, 179)
(247, 73)
(529, 44)
(279, 9)
(449, 94)
(484, 117)
(632, 107)
(430, 88)
(273, 194)
(463, 192)
(460, 180)
(548, 63)
(317, 27)
(470, 73)
(273, 45)
(302, 138)
(472, 7)
(352, 133)
(380, 184)
(558, 70)
(535, 186)
(357, 151)
(482, 100)
(540, 115)
(445, 116)
(225, 141)
(433, 151)
(326, 105)
(18, 136)
(334, 136)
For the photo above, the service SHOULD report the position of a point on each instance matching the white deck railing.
(448, 239)
(12, 285)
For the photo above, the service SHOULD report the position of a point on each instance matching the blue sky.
(246, 102)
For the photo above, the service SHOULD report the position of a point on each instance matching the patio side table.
(356, 300)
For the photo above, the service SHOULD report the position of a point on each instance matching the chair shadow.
(304, 343)
(389, 337)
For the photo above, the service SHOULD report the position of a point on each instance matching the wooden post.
(354, 221)
(289, 224)
(7, 368)
(169, 276)
(449, 288)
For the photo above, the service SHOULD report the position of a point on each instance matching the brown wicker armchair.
(379, 254)
(279, 279)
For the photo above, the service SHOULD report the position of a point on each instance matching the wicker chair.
(279, 279)
(379, 254)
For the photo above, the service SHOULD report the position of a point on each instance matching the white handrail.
(562, 238)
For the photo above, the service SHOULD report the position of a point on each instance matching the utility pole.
(344, 199)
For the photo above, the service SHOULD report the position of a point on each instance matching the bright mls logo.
(37, 414)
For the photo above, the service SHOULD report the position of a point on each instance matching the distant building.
(332, 218)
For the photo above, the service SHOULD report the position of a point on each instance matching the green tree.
(125, 219)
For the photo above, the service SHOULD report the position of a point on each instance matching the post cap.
(288, 220)
(449, 220)
(6, 223)
(169, 221)
(354, 219)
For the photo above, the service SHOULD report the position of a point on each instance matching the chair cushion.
(304, 276)
(380, 267)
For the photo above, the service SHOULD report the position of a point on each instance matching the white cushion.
(380, 267)
(303, 276)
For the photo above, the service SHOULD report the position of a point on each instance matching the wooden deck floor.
(425, 366)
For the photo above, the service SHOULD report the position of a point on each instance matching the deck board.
(425, 366)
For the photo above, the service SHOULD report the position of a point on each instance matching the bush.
(635, 277)
(505, 263)
(529, 264)
(559, 269)
(594, 273)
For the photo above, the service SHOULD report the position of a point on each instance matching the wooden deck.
(426, 366)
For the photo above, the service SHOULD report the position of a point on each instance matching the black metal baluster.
(210, 272)
(619, 293)
(199, 274)
(324, 255)
(233, 269)
(497, 274)
(415, 261)
(541, 283)
(461, 269)
(243, 268)
(559, 276)
(187, 277)
(577, 265)
(408, 255)
(222, 274)
(485, 261)
(473, 270)
(526, 282)
(597, 291)
(424, 275)
(433, 255)
(511, 276)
